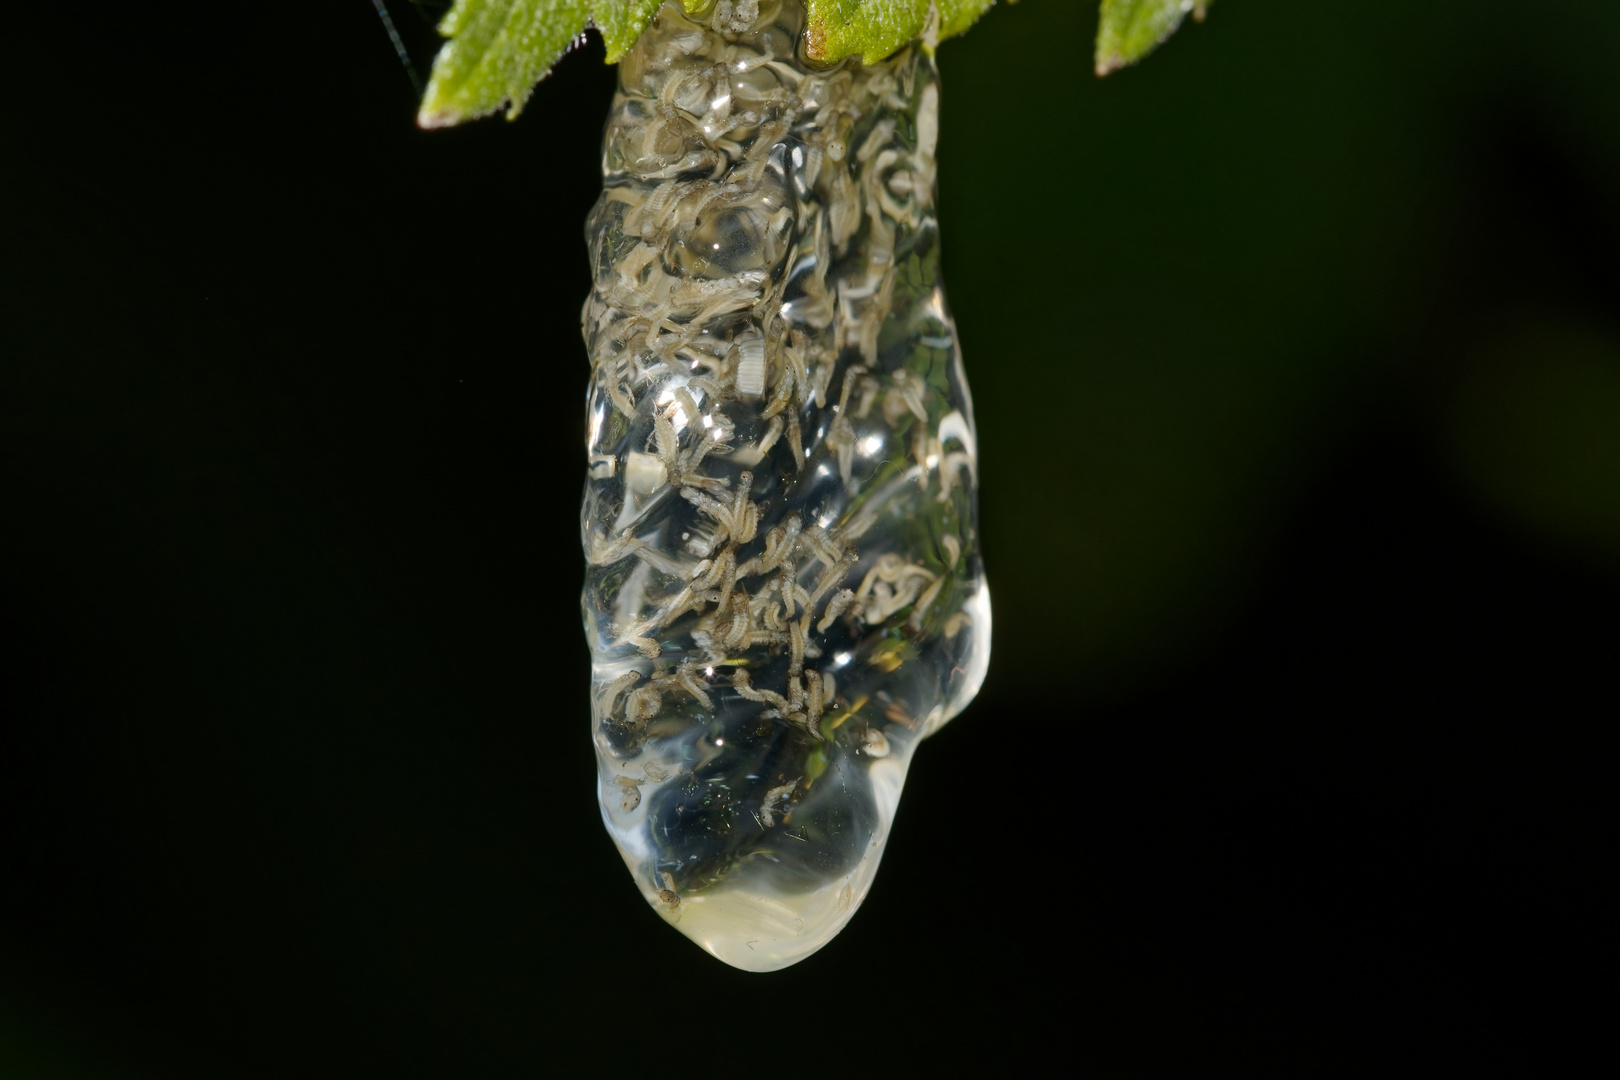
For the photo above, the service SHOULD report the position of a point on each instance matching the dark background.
(1297, 361)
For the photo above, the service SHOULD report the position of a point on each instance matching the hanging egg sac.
(784, 592)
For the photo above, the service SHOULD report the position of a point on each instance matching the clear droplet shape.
(784, 593)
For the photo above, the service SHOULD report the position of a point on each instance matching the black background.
(1295, 357)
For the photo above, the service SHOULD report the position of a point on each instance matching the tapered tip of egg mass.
(756, 930)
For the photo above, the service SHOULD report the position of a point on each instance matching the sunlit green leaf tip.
(1130, 29)
(621, 23)
(498, 50)
(872, 29)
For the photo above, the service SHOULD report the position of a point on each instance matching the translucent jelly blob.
(785, 593)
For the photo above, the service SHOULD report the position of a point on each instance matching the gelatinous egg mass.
(784, 591)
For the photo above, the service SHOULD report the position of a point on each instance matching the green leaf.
(872, 29)
(621, 22)
(1130, 29)
(498, 50)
